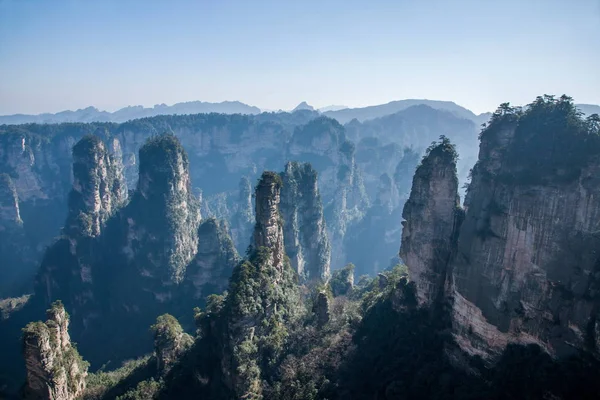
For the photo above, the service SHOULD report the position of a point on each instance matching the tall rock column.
(431, 218)
(268, 231)
(164, 214)
(242, 221)
(98, 186)
(263, 299)
(98, 191)
(305, 233)
(55, 371)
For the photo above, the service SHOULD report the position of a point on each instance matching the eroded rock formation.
(55, 371)
(524, 266)
(98, 186)
(242, 221)
(170, 342)
(305, 234)
(268, 231)
(209, 271)
(431, 216)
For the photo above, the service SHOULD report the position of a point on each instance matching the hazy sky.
(58, 54)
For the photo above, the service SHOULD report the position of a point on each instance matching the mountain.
(92, 114)
(589, 109)
(303, 106)
(499, 297)
(371, 112)
(331, 108)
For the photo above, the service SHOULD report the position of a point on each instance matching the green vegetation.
(145, 390)
(108, 385)
(342, 280)
(551, 142)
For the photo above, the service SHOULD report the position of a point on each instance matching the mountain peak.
(303, 106)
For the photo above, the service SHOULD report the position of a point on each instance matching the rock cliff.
(55, 371)
(15, 249)
(211, 268)
(305, 234)
(163, 214)
(523, 268)
(526, 270)
(431, 218)
(263, 298)
(242, 221)
(268, 231)
(170, 342)
(98, 186)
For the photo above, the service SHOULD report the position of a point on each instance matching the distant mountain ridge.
(340, 113)
(92, 114)
(377, 111)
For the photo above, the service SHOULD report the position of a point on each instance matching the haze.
(57, 55)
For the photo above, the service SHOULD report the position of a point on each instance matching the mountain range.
(340, 113)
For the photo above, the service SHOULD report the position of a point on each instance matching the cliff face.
(98, 191)
(349, 203)
(242, 221)
(170, 342)
(123, 266)
(527, 269)
(9, 202)
(524, 267)
(55, 371)
(98, 186)
(163, 214)
(268, 231)
(18, 261)
(305, 235)
(431, 216)
(209, 271)
(263, 299)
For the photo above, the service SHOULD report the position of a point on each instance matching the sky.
(70, 54)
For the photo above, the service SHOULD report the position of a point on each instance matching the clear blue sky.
(69, 54)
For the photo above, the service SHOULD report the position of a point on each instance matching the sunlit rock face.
(306, 240)
(98, 186)
(163, 213)
(54, 369)
(431, 215)
(521, 266)
(268, 231)
(527, 265)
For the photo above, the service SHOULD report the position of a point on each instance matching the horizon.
(69, 55)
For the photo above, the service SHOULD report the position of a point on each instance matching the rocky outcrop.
(170, 342)
(262, 300)
(268, 231)
(138, 253)
(242, 221)
(98, 186)
(98, 192)
(211, 268)
(527, 269)
(522, 267)
(55, 371)
(9, 203)
(322, 309)
(15, 249)
(163, 215)
(342, 280)
(349, 203)
(431, 218)
(305, 234)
